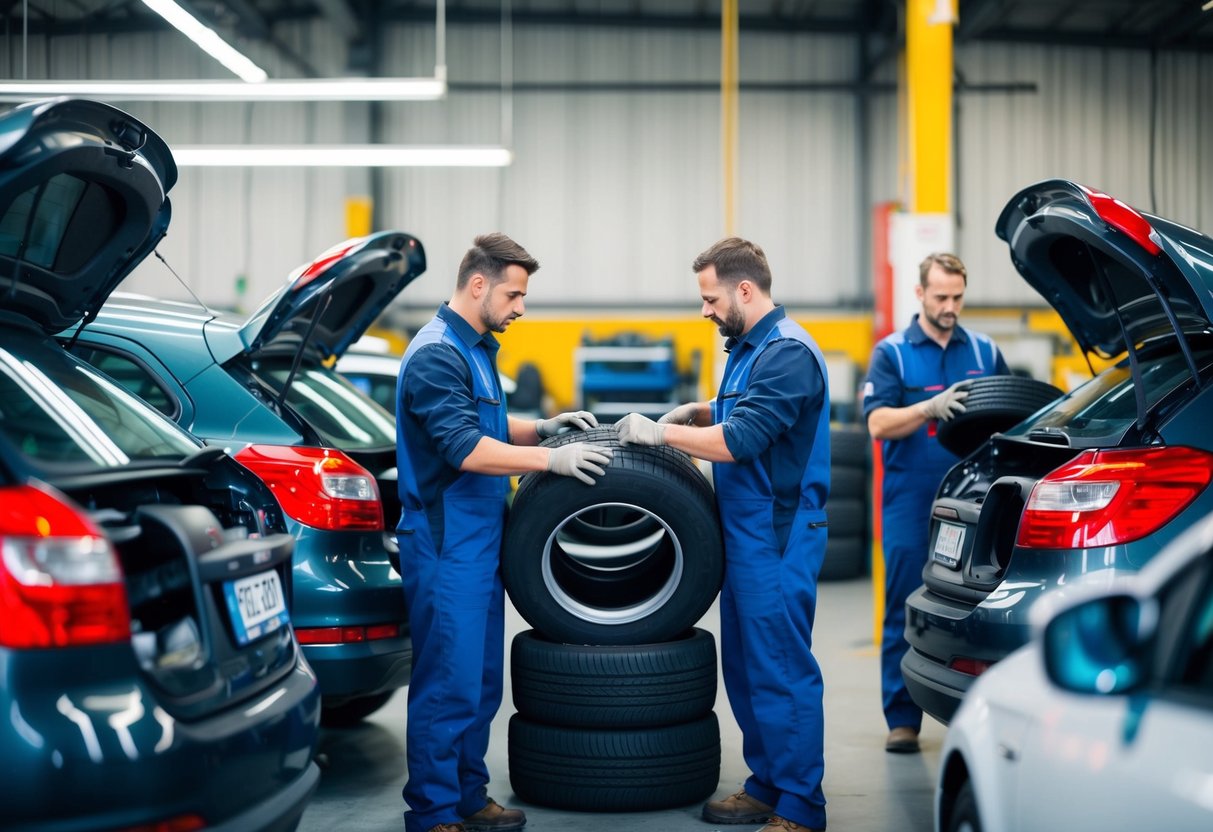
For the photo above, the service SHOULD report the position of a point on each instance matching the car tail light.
(180, 823)
(60, 581)
(1102, 498)
(319, 487)
(322, 263)
(1123, 218)
(346, 635)
(970, 667)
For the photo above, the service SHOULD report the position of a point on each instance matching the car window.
(58, 410)
(36, 223)
(131, 374)
(1107, 403)
(382, 389)
(332, 406)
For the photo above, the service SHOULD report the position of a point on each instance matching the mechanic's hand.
(577, 459)
(945, 405)
(573, 420)
(684, 414)
(635, 429)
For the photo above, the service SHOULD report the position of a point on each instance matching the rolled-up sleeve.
(438, 393)
(784, 380)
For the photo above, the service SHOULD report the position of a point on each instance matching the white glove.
(573, 420)
(947, 404)
(578, 458)
(635, 429)
(684, 414)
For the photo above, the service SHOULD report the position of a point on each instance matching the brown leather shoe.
(737, 808)
(494, 818)
(447, 827)
(902, 740)
(779, 824)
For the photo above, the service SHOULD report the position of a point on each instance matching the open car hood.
(1117, 277)
(327, 304)
(83, 199)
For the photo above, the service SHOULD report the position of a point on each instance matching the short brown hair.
(736, 260)
(950, 263)
(489, 255)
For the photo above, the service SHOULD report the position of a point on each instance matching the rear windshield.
(66, 414)
(1107, 405)
(337, 410)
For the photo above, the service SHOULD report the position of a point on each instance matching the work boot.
(779, 824)
(447, 827)
(494, 818)
(902, 740)
(737, 808)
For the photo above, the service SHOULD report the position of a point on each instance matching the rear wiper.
(1050, 435)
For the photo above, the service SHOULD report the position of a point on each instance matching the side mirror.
(1101, 646)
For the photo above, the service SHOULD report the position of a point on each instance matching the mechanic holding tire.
(916, 378)
(767, 433)
(456, 448)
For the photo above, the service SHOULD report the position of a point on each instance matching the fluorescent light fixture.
(303, 89)
(207, 40)
(344, 156)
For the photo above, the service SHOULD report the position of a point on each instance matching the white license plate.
(948, 543)
(256, 605)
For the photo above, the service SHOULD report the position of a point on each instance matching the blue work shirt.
(774, 424)
(909, 367)
(436, 408)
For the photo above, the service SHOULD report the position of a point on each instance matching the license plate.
(256, 605)
(948, 542)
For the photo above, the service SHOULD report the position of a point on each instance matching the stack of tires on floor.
(848, 547)
(614, 686)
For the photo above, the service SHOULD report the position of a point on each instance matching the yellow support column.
(728, 110)
(927, 95)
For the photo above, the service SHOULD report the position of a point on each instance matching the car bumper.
(361, 668)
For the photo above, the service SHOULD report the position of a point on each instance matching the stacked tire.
(848, 508)
(614, 686)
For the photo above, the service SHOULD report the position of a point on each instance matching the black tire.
(850, 446)
(346, 713)
(582, 587)
(964, 817)
(848, 483)
(614, 771)
(994, 404)
(845, 558)
(847, 518)
(640, 686)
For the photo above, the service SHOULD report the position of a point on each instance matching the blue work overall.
(913, 469)
(767, 607)
(449, 558)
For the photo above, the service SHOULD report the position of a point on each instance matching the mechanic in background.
(455, 449)
(768, 434)
(916, 378)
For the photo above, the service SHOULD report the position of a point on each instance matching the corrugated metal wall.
(616, 191)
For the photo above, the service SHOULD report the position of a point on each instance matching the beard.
(945, 322)
(492, 322)
(733, 324)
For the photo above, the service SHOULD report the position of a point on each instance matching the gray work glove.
(945, 405)
(577, 459)
(635, 429)
(573, 420)
(684, 414)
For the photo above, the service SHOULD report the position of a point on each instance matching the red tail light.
(1102, 498)
(319, 487)
(60, 581)
(346, 635)
(322, 263)
(970, 667)
(1123, 218)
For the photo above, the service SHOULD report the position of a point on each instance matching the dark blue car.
(262, 385)
(1096, 483)
(149, 677)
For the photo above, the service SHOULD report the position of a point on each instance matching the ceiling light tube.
(352, 155)
(207, 40)
(302, 89)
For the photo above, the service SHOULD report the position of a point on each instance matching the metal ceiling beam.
(979, 15)
(342, 16)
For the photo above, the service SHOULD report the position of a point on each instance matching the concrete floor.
(867, 790)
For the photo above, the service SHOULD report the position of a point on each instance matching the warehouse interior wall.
(615, 185)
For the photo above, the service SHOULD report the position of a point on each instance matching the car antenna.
(323, 305)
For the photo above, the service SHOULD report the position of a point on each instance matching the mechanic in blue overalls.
(456, 448)
(768, 434)
(916, 378)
